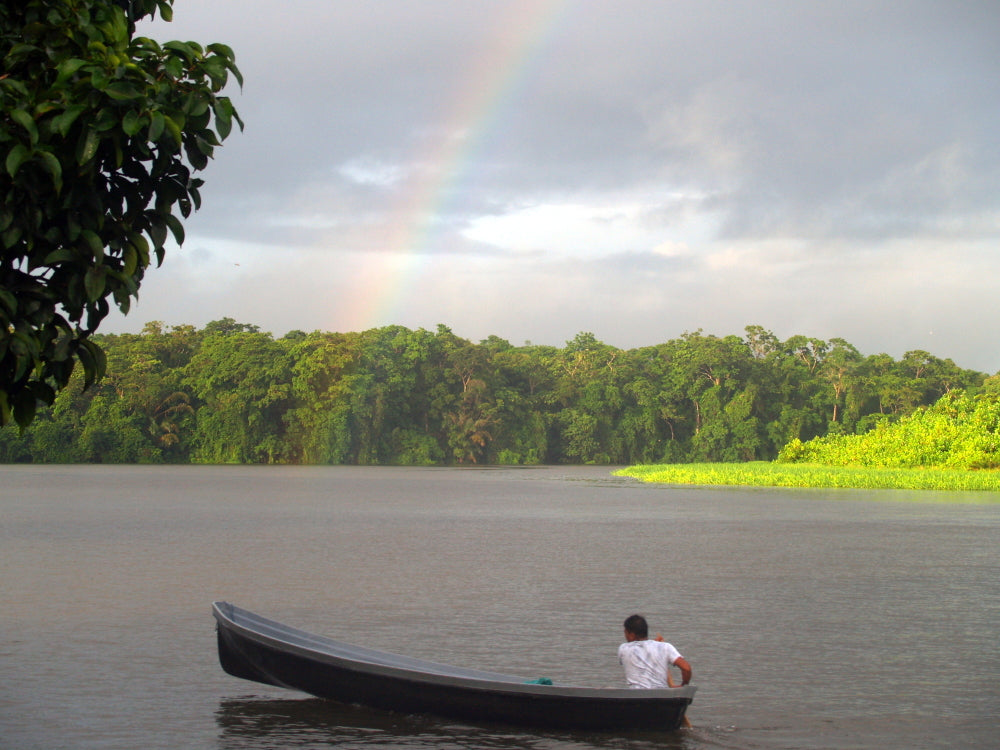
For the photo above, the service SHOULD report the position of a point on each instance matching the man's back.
(647, 662)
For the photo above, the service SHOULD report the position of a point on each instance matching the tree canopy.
(101, 132)
(231, 393)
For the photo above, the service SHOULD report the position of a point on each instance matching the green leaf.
(195, 195)
(14, 85)
(16, 157)
(94, 243)
(123, 91)
(95, 362)
(184, 49)
(26, 121)
(223, 109)
(157, 231)
(62, 255)
(174, 67)
(21, 50)
(11, 236)
(156, 124)
(61, 350)
(62, 122)
(99, 78)
(24, 408)
(9, 302)
(222, 49)
(94, 282)
(106, 119)
(174, 129)
(175, 227)
(131, 122)
(135, 255)
(166, 12)
(123, 301)
(195, 154)
(130, 259)
(231, 65)
(89, 366)
(142, 248)
(25, 349)
(42, 391)
(208, 141)
(96, 312)
(87, 147)
(215, 68)
(68, 67)
(53, 167)
(195, 104)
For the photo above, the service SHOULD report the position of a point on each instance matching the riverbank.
(766, 474)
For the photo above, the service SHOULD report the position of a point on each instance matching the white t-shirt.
(646, 662)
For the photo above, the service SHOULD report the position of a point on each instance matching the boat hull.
(311, 664)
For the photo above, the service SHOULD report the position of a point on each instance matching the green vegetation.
(767, 474)
(230, 393)
(957, 432)
(100, 132)
(954, 444)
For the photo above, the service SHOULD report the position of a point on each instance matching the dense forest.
(230, 393)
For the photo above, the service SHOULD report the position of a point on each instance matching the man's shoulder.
(649, 646)
(634, 646)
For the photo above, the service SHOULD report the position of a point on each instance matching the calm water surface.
(813, 619)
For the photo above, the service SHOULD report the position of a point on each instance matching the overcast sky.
(636, 169)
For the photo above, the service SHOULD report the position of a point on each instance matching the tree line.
(230, 393)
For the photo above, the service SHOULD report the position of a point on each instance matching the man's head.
(636, 626)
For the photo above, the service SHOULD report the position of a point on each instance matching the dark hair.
(636, 624)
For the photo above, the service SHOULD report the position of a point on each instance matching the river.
(812, 619)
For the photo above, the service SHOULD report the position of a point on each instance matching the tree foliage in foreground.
(100, 134)
(959, 431)
(230, 393)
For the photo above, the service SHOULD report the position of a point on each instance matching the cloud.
(637, 169)
(370, 171)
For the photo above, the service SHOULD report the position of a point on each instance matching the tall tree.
(100, 134)
(839, 367)
(523, 380)
(322, 371)
(242, 381)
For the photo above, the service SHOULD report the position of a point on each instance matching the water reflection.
(253, 722)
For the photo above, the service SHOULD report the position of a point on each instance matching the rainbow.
(477, 113)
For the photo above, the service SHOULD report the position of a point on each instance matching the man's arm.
(682, 664)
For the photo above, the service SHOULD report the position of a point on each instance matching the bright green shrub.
(957, 432)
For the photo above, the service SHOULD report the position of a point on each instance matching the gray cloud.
(635, 168)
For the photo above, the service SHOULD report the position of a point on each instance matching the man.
(647, 663)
